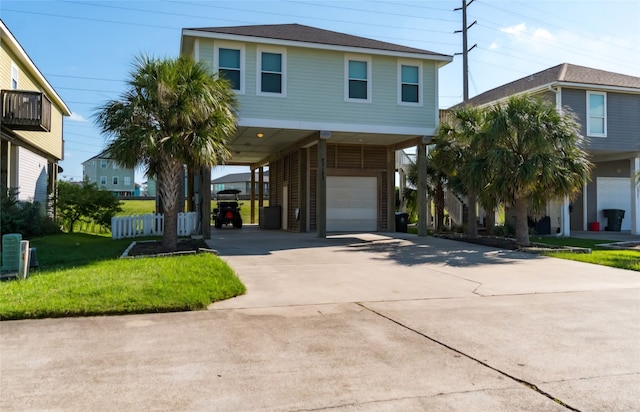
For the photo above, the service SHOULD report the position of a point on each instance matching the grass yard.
(622, 259)
(142, 207)
(80, 275)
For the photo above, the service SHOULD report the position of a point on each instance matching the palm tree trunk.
(490, 220)
(522, 227)
(472, 219)
(170, 174)
(439, 206)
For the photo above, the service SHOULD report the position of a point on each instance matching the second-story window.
(409, 87)
(103, 163)
(14, 76)
(115, 180)
(229, 66)
(596, 114)
(103, 180)
(271, 72)
(358, 79)
(127, 181)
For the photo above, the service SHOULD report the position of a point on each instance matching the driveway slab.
(354, 322)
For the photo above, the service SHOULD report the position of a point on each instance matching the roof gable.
(562, 73)
(313, 35)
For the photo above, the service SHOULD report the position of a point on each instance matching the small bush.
(26, 218)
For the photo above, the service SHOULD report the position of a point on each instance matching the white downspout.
(565, 216)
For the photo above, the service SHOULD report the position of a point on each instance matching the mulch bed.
(155, 248)
(495, 242)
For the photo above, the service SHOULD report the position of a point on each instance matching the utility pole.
(465, 50)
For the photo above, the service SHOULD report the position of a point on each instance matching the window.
(358, 79)
(14, 76)
(271, 72)
(409, 87)
(228, 61)
(127, 181)
(115, 180)
(103, 180)
(103, 164)
(229, 66)
(596, 114)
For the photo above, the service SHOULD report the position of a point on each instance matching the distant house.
(325, 112)
(30, 126)
(108, 175)
(241, 181)
(608, 108)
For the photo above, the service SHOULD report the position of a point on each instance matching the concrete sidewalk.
(354, 322)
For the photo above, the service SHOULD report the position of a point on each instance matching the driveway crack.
(529, 385)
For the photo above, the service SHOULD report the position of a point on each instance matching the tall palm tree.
(175, 112)
(460, 145)
(536, 154)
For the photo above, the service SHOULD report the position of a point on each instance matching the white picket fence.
(150, 225)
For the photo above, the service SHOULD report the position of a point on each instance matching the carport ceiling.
(247, 148)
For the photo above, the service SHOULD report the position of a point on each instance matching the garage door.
(614, 193)
(352, 204)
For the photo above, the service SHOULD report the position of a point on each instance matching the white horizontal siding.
(32, 176)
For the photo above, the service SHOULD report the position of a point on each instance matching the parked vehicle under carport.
(228, 210)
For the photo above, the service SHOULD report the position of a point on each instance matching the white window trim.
(279, 50)
(15, 74)
(127, 181)
(115, 180)
(103, 180)
(589, 133)
(233, 46)
(414, 63)
(103, 164)
(360, 58)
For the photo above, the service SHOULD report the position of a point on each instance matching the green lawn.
(623, 259)
(80, 275)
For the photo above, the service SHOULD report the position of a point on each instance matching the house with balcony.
(109, 175)
(325, 112)
(31, 124)
(607, 106)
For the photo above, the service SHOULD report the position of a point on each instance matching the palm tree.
(175, 112)
(460, 155)
(536, 154)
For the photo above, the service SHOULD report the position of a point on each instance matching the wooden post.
(321, 186)
(253, 196)
(422, 189)
(205, 199)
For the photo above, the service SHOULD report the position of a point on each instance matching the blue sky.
(85, 48)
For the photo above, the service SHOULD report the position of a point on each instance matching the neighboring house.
(242, 182)
(325, 111)
(109, 175)
(608, 108)
(30, 126)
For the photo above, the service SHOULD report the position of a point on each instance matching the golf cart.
(228, 210)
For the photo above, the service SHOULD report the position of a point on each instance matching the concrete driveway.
(355, 322)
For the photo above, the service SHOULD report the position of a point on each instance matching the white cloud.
(494, 45)
(516, 30)
(542, 34)
(75, 117)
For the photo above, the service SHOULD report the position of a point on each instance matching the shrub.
(26, 218)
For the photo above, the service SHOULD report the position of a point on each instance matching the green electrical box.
(11, 254)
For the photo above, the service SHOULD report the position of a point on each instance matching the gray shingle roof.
(563, 73)
(307, 34)
(239, 178)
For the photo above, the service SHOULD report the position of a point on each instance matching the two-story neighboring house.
(30, 124)
(325, 111)
(108, 175)
(608, 108)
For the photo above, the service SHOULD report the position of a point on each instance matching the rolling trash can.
(614, 219)
(402, 220)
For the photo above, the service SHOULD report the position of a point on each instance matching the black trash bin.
(614, 219)
(402, 219)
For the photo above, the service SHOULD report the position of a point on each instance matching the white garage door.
(352, 204)
(614, 193)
